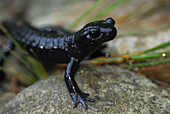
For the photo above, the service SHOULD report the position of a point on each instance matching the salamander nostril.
(110, 21)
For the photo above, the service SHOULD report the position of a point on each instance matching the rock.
(114, 90)
(5, 97)
(132, 44)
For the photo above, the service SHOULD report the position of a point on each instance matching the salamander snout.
(110, 21)
(99, 31)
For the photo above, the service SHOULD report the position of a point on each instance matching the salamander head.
(99, 31)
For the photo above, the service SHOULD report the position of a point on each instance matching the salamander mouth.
(108, 35)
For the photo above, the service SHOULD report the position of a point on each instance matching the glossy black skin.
(59, 46)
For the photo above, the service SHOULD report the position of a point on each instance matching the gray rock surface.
(5, 97)
(114, 90)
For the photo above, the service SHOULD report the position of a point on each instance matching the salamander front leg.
(75, 92)
(100, 52)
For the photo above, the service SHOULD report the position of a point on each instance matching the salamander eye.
(94, 33)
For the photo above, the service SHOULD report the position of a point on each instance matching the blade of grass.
(108, 9)
(157, 47)
(29, 63)
(25, 63)
(28, 78)
(4, 57)
(147, 31)
(151, 56)
(147, 63)
(21, 75)
(87, 12)
(39, 64)
(16, 44)
(147, 10)
(37, 71)
(10, 36)
(132, 56)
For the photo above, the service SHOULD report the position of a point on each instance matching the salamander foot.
(80, 98)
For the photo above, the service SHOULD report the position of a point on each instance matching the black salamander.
(56, 45)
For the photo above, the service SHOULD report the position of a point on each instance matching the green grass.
(84, 15)
(108, 9)
(146, 31)
(148, 63)
(139, 56)
(98, 15)
(28, 79)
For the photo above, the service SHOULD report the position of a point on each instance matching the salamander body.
(56, 45)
